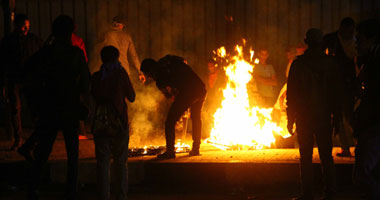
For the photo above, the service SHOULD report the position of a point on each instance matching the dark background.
(193, 28)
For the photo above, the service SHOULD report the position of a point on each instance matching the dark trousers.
(117, 147)
(346, 138)
(323, 136)
(367, 162)
(179, 106)
(15, 109)
(47, 132)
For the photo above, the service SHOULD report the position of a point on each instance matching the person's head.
(368, 34)
(109, 54)
(149, 67)
(347, 28)
(263, 56)
(119, 22)
(314, 38)
(63, 27)
(22, 24)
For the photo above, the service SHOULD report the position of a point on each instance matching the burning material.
(181, 147)
(156, 150)
(237, 124)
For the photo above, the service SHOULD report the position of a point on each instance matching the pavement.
(215, 174)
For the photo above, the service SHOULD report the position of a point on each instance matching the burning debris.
(180, 147)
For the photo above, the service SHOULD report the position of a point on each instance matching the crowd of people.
(332, 88)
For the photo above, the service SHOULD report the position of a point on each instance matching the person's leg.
(176, 110)
(70, 135)
(26, 149)
(306, 140)
(345, 137)
(120, 157)
(15, 104)
(197, 124)
(324, 141)
(103, 154)
(41, 153)
(367, 160)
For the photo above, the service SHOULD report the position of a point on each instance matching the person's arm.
(2, 70)
(128, 88)
(292, 93)
(268, 81)
(133, 55)
(84, 81)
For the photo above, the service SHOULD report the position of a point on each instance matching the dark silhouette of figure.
(367, 115)
(16, 48)
(110, 86)
(312, 98)
(341, 45)
(58, 75)
(26, 149)
(180, 83)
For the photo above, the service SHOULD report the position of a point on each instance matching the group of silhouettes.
(332, 87)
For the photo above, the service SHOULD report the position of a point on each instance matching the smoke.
(147, 115)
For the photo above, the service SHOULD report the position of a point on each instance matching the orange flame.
(235, 121)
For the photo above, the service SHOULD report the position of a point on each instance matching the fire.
(236, 123)
(181, 147)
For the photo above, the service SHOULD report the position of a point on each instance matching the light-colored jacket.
(123, 42)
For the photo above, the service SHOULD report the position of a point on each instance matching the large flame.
(235, 121)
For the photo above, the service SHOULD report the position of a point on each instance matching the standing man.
(312, 100)
(266, 79)
(60, 75)
(15, 50)
(341, 45)
(120, 39)
(178, 82)
(367, 115)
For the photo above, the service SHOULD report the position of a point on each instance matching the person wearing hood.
(110, 87)
(312, 100)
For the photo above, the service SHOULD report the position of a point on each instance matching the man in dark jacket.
(16, 48)
(312, 99)
(341, 45)
(367, 115)
(59, 75)
(180, 83)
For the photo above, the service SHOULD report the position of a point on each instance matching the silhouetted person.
(180, 83)
(312, 97)
(367, 115)
(341, 45)
(26, 149)
(110, 87)
(15, 50)
(58, 75)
